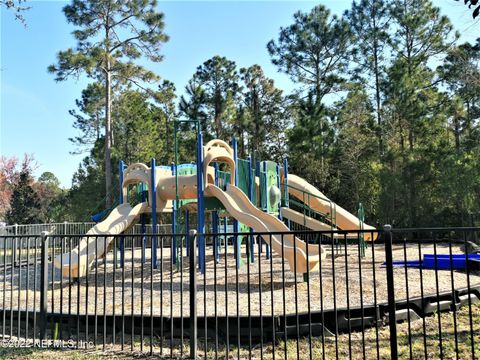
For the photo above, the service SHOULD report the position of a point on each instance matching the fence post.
(14, 257)
(44, 285)
(391, 292)
(193, 293)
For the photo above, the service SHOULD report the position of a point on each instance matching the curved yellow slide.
(77, 262)
(239, 206)
(344, 219)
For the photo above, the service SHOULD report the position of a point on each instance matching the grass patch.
(412, 345)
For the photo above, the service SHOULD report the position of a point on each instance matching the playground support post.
(279, 188)
(175, 141)
(143, 226)
(174, 215)
(215, 237)
(258, 173)
(153, 193)
(267, 247)
(259, 200)
(121, 169)
(235, 222)
(215, 221)
(250, 196)
(391, 292)
(279, 200)
(285, 188)
(187, 229)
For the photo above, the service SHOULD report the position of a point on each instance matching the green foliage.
(143, 130)
(51, 198)
(355, 168)
(111, 37)
(264, 116)
(213, 91)
(24, 204)
(476, 7)
(313, 50)
(101, 47)
(397, 142)
(370, 120)
(309, 141)
(92, 117)
(86, 196)
(245, 104)
(370, 23)
(18, 8)
(137, 128)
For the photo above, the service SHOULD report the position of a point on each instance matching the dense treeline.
(384, 110)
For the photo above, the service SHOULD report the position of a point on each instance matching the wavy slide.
(294, 250)
(77, 262)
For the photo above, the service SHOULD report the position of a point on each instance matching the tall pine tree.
(111, 36)
(370, 23)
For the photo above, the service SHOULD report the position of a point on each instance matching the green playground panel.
(213, 204)
(186, 169)
(223, 178)
(262, 203)
(270, 177)
(243, 178)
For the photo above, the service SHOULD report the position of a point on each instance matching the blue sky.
(34, 108)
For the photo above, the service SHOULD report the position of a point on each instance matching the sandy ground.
(342, 280)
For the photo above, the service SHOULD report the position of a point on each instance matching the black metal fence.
(413, 293)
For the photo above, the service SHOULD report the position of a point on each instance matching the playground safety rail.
(305, 202)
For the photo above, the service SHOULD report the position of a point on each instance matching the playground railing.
(305, 205)
(415, 294)
(67, 228)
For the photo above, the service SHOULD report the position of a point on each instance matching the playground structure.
(256, 198)
(129, 295)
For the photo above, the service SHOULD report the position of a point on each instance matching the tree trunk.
(97, 126)
(456, 124)
(217, 115)
(377, 96)
(108, 135)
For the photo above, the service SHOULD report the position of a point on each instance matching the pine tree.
(51, 198)
(110, 36)
(91, 118)
(264, 114)
(313, 51)
(422, 33)
(354, 162)
(370, 23)
(460, 73)
(17, 6)
(310, 140)
(217, 79)
(24, 204)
